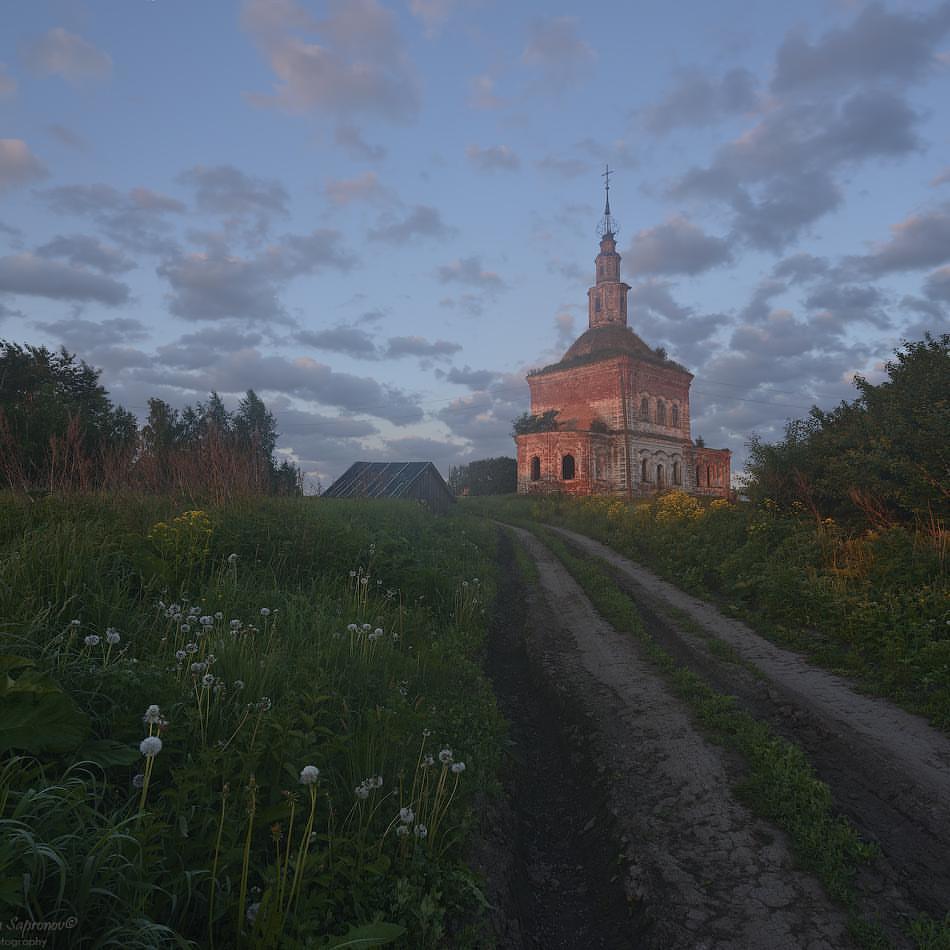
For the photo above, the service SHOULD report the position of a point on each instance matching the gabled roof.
(381, 480)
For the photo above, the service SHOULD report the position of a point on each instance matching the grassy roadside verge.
(254, 725)
(780, 784)
(870, 605)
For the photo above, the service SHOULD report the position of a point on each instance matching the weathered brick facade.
(623, 410)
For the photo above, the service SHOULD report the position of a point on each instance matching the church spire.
(607, 299)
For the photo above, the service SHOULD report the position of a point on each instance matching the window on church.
(677, 474)
(567, 467)
(643, 471)
(699, 480)
(644, 408)
(661, 413)
(535, 469)
(675, 416)
(597, 304)
(708, 475)
(659, 476)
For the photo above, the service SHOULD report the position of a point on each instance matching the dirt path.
(888, 770)
(701, 871)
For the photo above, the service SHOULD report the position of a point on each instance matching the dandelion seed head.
(421, 832)
(402, 830)
(366, 627)
(198, 668)
(113, 636)
(458, 767)
(239, 685)
(406, 815)
(75, 623)
(207, 679)
(309, 775)
(445, 756)
(252, 909)
(218, 615)
(152, 715)
(232, 559)
(180, 655)
(361, 791)
(186, 628)
(92, 640)
(352, 627)
(150, 746)
(191, 647)
(235, 624)
(265, 611)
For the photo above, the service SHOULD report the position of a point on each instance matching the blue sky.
(380, 216)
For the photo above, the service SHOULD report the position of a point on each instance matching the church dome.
(608, 340)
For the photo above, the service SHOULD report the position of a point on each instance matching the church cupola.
(607, 299)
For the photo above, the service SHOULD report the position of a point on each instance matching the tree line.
(59, 430)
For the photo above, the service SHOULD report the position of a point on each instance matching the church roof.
(606, 341)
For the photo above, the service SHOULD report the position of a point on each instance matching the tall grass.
(237, 709)
(870, 602)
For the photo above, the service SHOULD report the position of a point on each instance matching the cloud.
(350, 341)
(473, 378)
(877, 45)
(697, 100)
(937, 285)
(778, 176)
(840, 304)
(58, 53)
(226, 190)
(482, 93)
(676, 247)
(942, 178)
(18, 165)
(564, 326)
(432, 13)
(919, 241)
(365, 187)
(216, 285)
(362, 66)
(800, 268)
(398, 346)
(8, 85)
(351, 140)
(493, 158)
(66, 136)
(469, 271)
(555, 48)
(298, 422)
(135, 220)
(421, 221)
(81, 249)
(38, 277)
(655, 296)
(85, 335)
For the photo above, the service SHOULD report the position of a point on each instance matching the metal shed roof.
(380, 479)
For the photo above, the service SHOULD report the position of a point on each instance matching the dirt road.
(888, 770)
(635, 791)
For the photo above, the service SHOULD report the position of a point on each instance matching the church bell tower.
(607, 299)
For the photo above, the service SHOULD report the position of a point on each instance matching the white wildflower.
(232, 559)
(402, 830)
(150, 746)
(252, 909)
(352, 627)
(191, 647)
(197, 668)
(406, 815)
(113, 636)
(445, 756)
(75, 623)
(186, 628)
(138, 780)
(421, 831)
(218, 615)
(458, 767)
(180, 655)
(265, 611)
(361, 791)
(207, 679)
(92, 640)
(309, 775)
(239, 685)
(152, 715)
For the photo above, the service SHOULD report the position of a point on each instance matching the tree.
(57, 422)
(493, 476)
(527, 423)
(884, 456)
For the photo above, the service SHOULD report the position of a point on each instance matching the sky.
(381, 215)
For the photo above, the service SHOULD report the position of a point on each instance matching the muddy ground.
(620, 828)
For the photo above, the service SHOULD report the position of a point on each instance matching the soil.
(621, 829)
(888, 770)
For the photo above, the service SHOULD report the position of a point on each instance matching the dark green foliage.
(493, 476)
(883, 459)
(55, 419)
(527, 423)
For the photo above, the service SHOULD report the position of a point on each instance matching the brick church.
(622, 409)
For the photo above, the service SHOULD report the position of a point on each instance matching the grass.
(253, 640)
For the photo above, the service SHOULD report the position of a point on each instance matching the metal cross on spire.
(607, 224)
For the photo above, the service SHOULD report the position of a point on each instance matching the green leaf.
(36, 715)
(108, 753)
(369, 935)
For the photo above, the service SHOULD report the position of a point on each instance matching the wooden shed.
(420, 481)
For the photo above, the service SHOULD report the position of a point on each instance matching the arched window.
(597, 304)
(660, 413)
(708, 475)
(659, 476)
(567, 467)
(699, 481)
(675, 415)
(677, 474)
(644, 408)
(643, 471)
(535, 469)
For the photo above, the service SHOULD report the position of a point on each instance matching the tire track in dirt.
(707, 872)
(888, 770)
